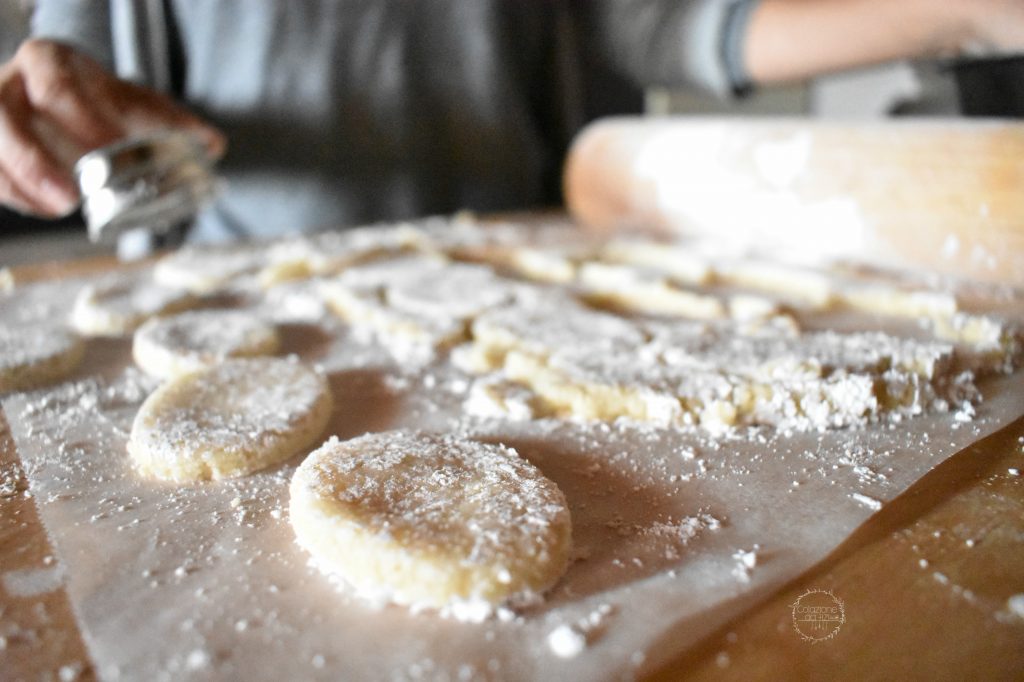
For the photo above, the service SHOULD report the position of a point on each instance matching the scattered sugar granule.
(869, 502)
(746, 561)
(70, 672)
(1015, 605)
(565, 641)
(568, 641)
(197, 659)
(965, 414)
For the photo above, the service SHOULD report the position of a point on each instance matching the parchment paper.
(206, 582)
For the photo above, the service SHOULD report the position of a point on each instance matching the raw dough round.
(35, 355)
(118, 307)
(431, 521)
(169, 346)
(230, 419)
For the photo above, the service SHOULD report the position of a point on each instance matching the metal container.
(155, 183)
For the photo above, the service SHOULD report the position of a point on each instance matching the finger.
(14, 198)
(56, 82)
(145, 111)
(24, 158)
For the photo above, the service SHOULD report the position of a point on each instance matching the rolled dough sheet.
(206, 581)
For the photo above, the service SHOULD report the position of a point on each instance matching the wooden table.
(925, 582)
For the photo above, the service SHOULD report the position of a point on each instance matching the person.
(333, 113)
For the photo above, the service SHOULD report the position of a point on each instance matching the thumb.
(213, 140)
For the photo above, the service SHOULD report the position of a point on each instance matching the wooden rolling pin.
(938, 195)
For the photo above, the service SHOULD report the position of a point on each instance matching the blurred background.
(893, 89)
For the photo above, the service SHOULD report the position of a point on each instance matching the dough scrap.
(987, 343)
(676, 261)
(463, 237)
(328, 253)
(540, 265)
(119, 306)
(458, 291)
(407, 336)
(207, 269)
(546, 252)
(753, 307)
(717, 374)
(493, 396)
(896, 302)
(542, 326)
(811, 288)
(633, 290)
(34, 355)
(229, 420)
(7, 281)
(417, 306)
(169, 346)
(434, 521)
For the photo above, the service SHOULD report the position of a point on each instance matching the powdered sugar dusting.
(489, 523)
(676, 520)
(196, 339)
(237, 408)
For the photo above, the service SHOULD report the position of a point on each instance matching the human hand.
(997, 26)
(56, 104)
(790, 40)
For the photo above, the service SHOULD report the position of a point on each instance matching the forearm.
(796, 39)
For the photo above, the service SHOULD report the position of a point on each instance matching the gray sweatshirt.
(343, 112)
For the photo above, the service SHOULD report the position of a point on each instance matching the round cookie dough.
(229, 420)
(118, 307)
(36, 355)
(431, 521)
(169, 346)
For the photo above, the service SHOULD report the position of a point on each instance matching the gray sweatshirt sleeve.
(84, 24)
(696, 43)
(129, 37)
